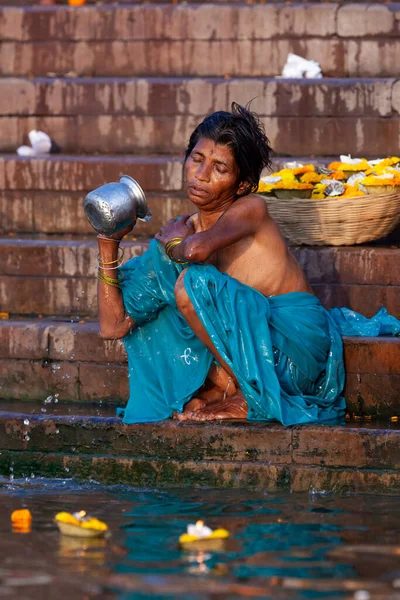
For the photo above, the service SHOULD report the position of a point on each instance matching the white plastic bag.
(298, 67)
(41, 144)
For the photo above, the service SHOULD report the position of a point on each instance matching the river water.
(289, 546)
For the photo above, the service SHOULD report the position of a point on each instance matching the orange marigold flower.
(338, 175)
(21, 515)
(339, 166)
(351, 191)
(312, 177)
(264, 188)
(303, 169)
(21, 520)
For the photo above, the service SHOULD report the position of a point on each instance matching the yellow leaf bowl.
(88, 527)
(214, 541)
(288, 194)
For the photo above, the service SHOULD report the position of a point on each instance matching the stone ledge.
(364, 447)
(60, 279)
(49, 256)
(139, 472)
(82, 173)
(170, 22)
(198, 22)
(77, 297)
(370, 394)
(163, 96)
(146, 135)
(158, 441)
(220, 455)
(33, 211)
(58, 340)
(358, 57)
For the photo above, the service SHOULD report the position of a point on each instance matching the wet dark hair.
(244, 133)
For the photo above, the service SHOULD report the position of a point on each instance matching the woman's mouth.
(195, 190)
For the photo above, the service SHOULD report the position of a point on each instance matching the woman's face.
(211, 175)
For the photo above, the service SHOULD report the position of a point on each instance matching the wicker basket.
(342, 222)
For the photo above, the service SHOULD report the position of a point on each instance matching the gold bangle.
(109, 280)
(170, 245)
(108, 268)
(176, 239)
(111, 262)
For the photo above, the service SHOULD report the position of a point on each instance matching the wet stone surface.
(47, 438)
(289, 546)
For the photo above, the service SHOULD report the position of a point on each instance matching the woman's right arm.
(114, 322)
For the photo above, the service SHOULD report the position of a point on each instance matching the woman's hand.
(176, 228)
(118, 235)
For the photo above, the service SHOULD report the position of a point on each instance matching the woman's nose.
(203, 172)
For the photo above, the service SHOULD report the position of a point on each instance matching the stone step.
(195, 97)
(46, 212)
(45, 195)
(48, 276)
(261, 456)
(63, 173)
(157, 115)
(44, 357)
(34, 211)
(352, 40)
(81, 173)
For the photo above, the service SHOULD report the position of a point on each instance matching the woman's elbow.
(117, 333)
(115, 330)
(196, 252)
(107, 334)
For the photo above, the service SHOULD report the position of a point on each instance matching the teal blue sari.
(285, 351)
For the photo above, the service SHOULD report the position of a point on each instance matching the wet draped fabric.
(286, 351)
(167, 363)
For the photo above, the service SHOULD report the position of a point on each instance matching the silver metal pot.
(114, 206)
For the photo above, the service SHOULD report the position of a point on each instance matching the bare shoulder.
(251, 202)
(253, 207)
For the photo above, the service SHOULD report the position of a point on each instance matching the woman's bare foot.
(209, 394)
(217, 388)
(189, 408)
(232, 407)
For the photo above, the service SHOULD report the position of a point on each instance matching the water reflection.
(290, 546)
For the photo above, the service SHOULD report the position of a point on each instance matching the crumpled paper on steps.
(41, 144)
(298, 67)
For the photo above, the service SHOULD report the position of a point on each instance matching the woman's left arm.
(243, 218)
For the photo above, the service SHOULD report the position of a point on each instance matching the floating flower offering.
(347, 178)
(201, 536)
(21, 520)
(80, 525)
